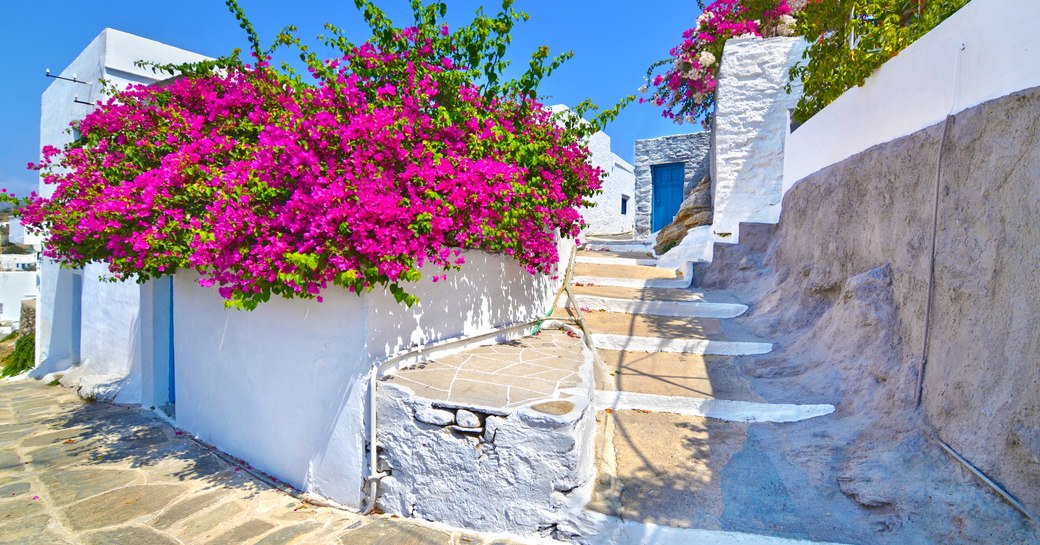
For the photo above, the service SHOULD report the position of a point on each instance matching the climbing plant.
(849, 39)
(394, 154)
(685, 90)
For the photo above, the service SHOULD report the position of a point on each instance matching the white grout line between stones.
(721, 409)
(627, 532)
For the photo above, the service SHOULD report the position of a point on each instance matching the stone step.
(634, 283)
(618, 246)
(639, 325)
(691, 479)
(646, 294)
(612, 260)
(618, 255)
(673, 374)
(691, 309)
(639, 272)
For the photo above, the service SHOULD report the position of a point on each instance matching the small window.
(624, 205)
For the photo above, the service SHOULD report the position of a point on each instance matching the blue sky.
(613, 40)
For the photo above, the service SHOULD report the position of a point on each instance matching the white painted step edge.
(686, 309)
(633, 282)
(608, 341)
(618, 246)
(595, 260)
(613, 531)
(721, 409)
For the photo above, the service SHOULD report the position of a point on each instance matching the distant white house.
(614, 209)
(18, 235)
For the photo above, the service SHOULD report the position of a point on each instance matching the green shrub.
(849, 39)
(23, 357)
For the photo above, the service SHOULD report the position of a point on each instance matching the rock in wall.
(694, 212)
(28, 319)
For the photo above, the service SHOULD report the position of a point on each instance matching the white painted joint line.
(633, 282)
(618, 247)
(595, 260)
(720, 409)
(608, 341)
(687, 309)
(630, 532)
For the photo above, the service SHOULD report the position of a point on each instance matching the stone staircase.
(680, 459)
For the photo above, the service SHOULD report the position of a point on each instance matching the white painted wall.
(988, 49)
(751, 125)
(284, 387)
(110, 56)
(111, 351)
(14, 288)
(605, 218)
(18, 235)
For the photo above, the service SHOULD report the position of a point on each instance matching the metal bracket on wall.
(73, 79)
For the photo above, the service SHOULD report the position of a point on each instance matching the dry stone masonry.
(690, 149)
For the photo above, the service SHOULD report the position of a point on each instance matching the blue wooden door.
(668, 191)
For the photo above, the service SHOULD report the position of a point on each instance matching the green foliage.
(849, 39)
(23, 357)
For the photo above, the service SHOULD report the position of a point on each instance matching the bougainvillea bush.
(686, 89)
(393, 155)
(849, 39)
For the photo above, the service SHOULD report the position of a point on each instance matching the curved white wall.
(988, 49)
(284, 386)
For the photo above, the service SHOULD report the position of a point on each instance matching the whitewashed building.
(284, 387)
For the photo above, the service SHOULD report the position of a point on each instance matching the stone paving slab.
(624, 271)
(79, 473)
(623, 255)
(642, 325)
(674, 374)
(503, 376)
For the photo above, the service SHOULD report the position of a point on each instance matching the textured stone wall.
(982, 379)
(27, 322)
(692, 149)
(751, 125)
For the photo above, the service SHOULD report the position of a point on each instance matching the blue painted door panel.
(667, 193)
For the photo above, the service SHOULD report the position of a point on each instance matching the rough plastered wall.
(982, 383)
(691, 149)
(527, 471)
(750, 128)
(605, 217)
(982, 379)
(284, 386)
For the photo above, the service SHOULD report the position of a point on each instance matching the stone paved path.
(93, 473)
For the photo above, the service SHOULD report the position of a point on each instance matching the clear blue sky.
(613, 40)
